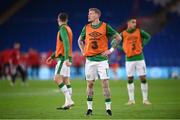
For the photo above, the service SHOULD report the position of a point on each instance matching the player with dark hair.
(63, 54)
(133, 41)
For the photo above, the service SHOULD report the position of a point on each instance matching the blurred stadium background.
(33, 24)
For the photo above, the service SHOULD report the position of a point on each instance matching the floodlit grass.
(40, 98)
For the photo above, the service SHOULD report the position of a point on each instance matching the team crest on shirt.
(95, 34)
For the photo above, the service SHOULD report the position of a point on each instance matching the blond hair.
(96, 10)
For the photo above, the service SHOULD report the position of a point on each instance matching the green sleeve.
(65, 39)
(120, 46)
(53, 55)
(145, 37)
(110, 32)
(83, 33)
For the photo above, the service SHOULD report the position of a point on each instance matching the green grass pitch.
(40, 98)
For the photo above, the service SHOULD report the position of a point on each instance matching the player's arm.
(145, 37)
(65, 39)
(81, 40)
(119, 46)
(50, 58)
(114, 35)
(116, 38)
(53, 55)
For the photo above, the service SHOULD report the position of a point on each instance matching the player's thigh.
(90, 70)
(103, 70)
(65, 70)
(130, 68)
(141, 68)
(62, 69)
(58, 67)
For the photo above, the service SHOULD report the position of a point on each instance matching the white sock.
(131, 88)
(144, 89)
(66, 93)
(108, 105)
(70, 91)
(89, 104)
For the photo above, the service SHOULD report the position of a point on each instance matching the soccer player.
(133, 41)
(93, 43)
(63, 54)
(16, 65)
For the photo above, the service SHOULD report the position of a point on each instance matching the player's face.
(132, 24)
(58, 21)
(92, 16)
(17, 46)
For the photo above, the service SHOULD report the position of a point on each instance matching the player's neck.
(61, 23)
(131, 29)
(95, 22)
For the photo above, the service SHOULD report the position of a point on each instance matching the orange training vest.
(59, 43)
(96, 40)
(132, 43)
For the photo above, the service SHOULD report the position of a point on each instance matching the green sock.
(68, 86)
(108, 100)
(89, 102)
(108, 103)
(61, 85)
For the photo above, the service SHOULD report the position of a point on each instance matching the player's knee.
(143, 79)
(57, 79)
(130, 80)
(105, 83)
(90, 85)
(66, 80)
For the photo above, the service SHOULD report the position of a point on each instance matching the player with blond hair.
(93, 43)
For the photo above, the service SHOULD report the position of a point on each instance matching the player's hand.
(106, 53)
(49, 60)
(67, 63)
(82, 51)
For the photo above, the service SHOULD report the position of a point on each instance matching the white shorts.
(96, 69)
(62, 69)
(132, 66)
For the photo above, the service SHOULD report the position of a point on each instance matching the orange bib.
(96, 40)
(132, 43)
(59, 43)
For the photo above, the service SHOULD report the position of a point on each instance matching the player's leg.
(59, 81)
(6, 70)
(103, 68)
(107, 95)
(89, 91)
(13, 73)
(130, 69)
(144, 89)
(90, 73)
(141, 69)
(67, 82)
(66, 77)
(22, 73)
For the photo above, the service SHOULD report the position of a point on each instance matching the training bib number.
(94, 45)
(133, 45)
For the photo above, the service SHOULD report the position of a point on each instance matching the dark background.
(33, 23)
